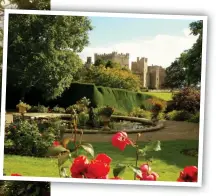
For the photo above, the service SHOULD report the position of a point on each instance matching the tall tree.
(42, 51)
(175, 75)
(192, 58)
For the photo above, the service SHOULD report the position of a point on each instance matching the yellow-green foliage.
(111, 77)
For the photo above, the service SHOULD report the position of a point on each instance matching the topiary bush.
(24, 137)
(178, 115)
(188, 99)
(25, 188)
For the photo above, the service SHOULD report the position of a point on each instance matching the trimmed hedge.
(121, 100)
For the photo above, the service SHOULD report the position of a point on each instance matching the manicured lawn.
(165, 96)
(167, 163)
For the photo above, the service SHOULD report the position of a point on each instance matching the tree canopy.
(186, 70)
(42, 51)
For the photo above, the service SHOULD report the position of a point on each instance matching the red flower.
(14, 127)
(189, 174)
(97, 170)
(116, 178)
(150, 177)
(16, 175)
(145, 169)
(56, 143)
(79, 166)
(121, 140)
(147, 174)
(103, 158)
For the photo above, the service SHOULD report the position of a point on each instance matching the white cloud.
(160, 50)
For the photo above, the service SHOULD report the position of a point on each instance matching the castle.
(151, 77)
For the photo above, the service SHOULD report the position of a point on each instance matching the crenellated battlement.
(113, 54)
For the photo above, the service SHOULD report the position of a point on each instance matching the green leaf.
(88, 148)
(71, 146)
(56, 150)
(62, 158)
(153, 146)
(119, 170)
(136, 170)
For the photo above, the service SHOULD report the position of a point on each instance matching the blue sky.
(110, 30)
(159, 40)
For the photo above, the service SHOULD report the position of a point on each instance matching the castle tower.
(88, 62)
(140, 68)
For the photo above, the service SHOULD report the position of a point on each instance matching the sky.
(159, 40)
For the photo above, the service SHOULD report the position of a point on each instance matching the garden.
(80, 140)
(74, 121)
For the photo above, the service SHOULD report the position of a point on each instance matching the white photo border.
(104, 14)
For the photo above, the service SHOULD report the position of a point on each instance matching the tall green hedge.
(120, 99)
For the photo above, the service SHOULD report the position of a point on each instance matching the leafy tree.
(31, 4)
(112, 64)
(42, 51)
(110, 77)
(186, 70)
(99, 62)
(192, 58)
(175, 75)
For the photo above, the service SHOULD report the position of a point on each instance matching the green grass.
(167, 163)
(165, 96)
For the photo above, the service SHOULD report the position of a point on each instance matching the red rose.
(189, 174)
(16, 175)
(79, 167)
(97, 170)
(147, 174)
(145, 168)
(103, 158)
(56, 143)
(121, 140)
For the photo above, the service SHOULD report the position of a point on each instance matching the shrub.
(57, 109)
(39, 108)
(80, 106)
(187, 99)
(161, 116)
(178, 115)
(120, 113)
(70, 109)
(83, 119)
(24, 138)
(138, 112)
(17, 188)
(195, 118)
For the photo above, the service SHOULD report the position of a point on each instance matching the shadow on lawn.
(170, 152)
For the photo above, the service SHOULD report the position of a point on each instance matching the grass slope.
(167, 163)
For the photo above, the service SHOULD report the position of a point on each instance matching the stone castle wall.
(122, 59)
